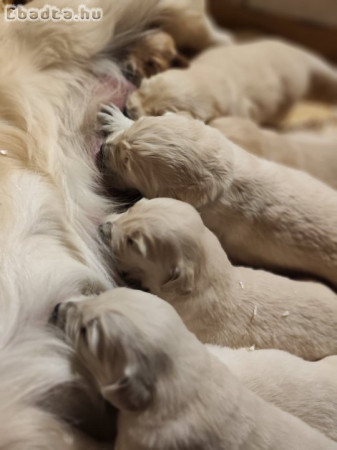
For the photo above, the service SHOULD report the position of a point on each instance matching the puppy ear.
(180, 61)
(137, 241)
(130, 362)
(180, 280)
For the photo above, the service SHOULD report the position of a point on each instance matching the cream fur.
(53, 77)
(304, 150)
(170, 391)
(259, 80)
(305, 389)
(163, 244)
(264, 214)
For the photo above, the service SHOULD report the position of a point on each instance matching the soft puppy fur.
(304, 150)
(259, 80)
(171, 393)
(264, 214)
(164, 245)
(302, 388)
(53, 76)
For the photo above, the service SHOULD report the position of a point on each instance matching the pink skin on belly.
(115, 91)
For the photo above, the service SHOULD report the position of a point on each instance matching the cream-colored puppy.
(306, 151)
(170, 391)
(164, 246)
(265, 214)
(259, 80)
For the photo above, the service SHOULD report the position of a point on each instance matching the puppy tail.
(112, 121)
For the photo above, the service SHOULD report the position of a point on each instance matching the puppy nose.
(54, 315)
(105, 231)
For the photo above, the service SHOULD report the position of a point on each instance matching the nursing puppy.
(264, 214)
(306, 151)
(163, 245)
(259, 80)
(155, 52)
(170, 391)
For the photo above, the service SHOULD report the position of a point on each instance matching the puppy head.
(169, 156)
(154, 53)
(126, 340)
(158, 243)
(158, 95)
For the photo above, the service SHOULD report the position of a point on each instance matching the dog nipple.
(3, 152)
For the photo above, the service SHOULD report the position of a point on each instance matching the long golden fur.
(53, 76)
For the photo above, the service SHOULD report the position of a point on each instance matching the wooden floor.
(319, 38)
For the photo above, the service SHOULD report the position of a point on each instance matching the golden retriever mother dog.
(170, 391)
(264, 214)
(163, 244)
(53, 75)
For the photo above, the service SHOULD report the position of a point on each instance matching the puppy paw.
(112, 121)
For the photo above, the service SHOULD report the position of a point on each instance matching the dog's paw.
(112, 121)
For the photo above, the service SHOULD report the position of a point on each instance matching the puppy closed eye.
(152, 64)
(137, 242)
(130, 241)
